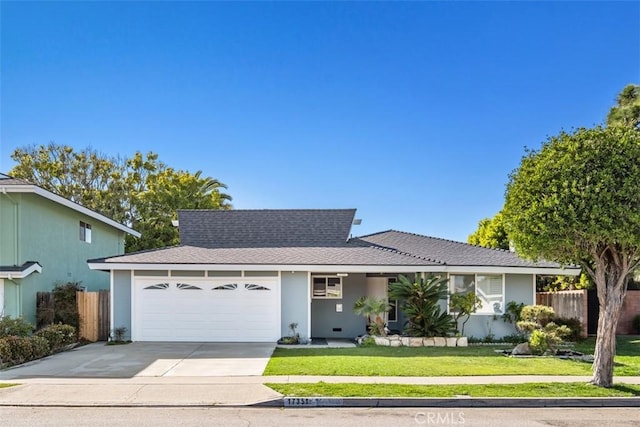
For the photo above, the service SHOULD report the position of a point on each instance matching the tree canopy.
(576, 200)
(627, 110)
(491, 233)
(140, 191)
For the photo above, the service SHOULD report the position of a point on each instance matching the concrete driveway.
(149, 359)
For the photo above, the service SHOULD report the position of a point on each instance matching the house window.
(327, 287)
(392, 314)
(489, 288)
(85, 232)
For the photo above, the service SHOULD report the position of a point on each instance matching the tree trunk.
(610, 277)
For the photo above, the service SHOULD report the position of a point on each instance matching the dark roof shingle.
(268, 228)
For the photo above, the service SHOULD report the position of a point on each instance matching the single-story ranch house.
(246, 275)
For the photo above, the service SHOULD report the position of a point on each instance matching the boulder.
(440, 341)
(462, 342)
(406, 341)
(396, 343)
(382, 341)
(451, 341)
(415, 342)
(521, 349)
(428, 342)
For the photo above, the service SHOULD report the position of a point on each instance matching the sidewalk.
(250, 390)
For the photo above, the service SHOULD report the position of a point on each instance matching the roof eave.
(30, 188)
(347, 268)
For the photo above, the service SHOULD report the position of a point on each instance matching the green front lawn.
(476, 390)
(442, 361)
(4, 385)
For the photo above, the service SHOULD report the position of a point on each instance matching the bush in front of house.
(15, 327)
(58, 336)
(574, 325)
(544, 334)
(16, 350)
(39, 347)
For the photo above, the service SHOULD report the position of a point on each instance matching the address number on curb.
(300, 401)
(310, 402)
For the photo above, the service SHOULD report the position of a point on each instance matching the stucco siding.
(121, 300)
(49, 234)
(326, 322)
(518, 288)
(294, 303)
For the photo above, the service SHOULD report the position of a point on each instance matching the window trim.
(475, 284)
(326, 286)
(85, 232)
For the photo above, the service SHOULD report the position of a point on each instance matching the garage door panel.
(167, 309)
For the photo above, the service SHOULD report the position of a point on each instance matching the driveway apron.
(149, 359)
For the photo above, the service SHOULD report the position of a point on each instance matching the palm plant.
(371, 307)
(420, 302)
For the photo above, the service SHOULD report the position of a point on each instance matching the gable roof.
(14, 185)
(295, 240)
(267, 228)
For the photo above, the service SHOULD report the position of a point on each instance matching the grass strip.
(5, 385)
(322, 389)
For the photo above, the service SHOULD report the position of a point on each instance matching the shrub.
(574, 325)
(65, 304)
(5, 352)
(539, 314)
(20, 349)
(514, 338)
(58, 335)
(547, 339)
(462, 306)
(636, 323)
(14, 327)
(420, 302)
(40, 347)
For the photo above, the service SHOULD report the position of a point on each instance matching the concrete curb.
(462, 402)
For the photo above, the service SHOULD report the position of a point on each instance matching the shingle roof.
(9, 180)
(310, 237)
(269, 228)
(448, 252)
(347, 255)
(17, 268)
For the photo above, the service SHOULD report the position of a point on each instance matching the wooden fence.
(567, 304)
(93, 308)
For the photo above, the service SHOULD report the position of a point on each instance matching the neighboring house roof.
(294, 240)
(14, 185)
(268, 228)
(19, 271)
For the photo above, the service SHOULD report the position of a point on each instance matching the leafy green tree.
(627, 111)
(141, 191)
(576, 200)
(420, 302)
(462, 306)
(491, 233)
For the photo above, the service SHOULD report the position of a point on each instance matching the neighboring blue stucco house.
(245, 275)
(46, 239)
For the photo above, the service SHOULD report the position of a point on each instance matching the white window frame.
(326, 286)
(85, 232)
(475, 284)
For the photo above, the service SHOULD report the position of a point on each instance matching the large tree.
(491, 233)
(140, 191)
(627, 110)
(576, 200)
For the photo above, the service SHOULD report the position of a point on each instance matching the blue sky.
(414, 113)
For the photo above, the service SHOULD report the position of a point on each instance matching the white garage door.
(201, 309)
